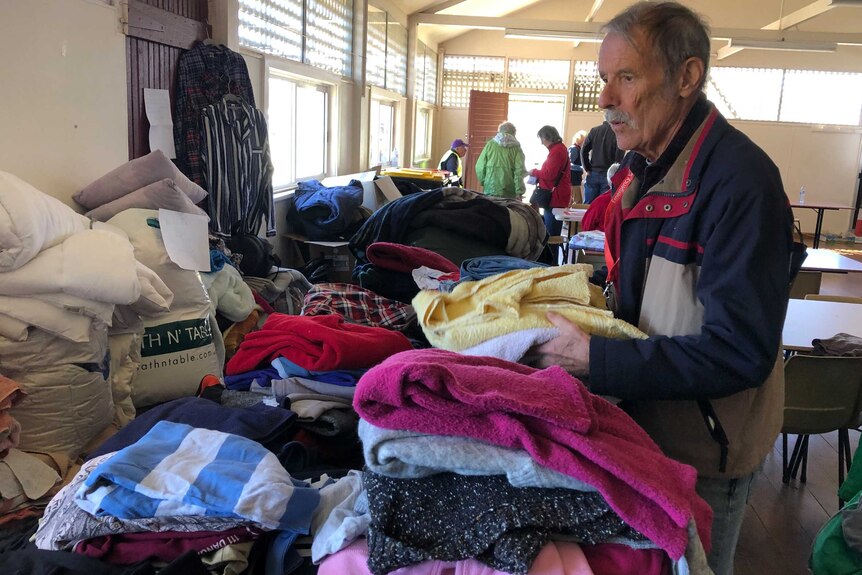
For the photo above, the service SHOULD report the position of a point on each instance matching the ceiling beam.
(597, 4)
(727, 51)
(501, 23)
(440, 6)
(799, 16)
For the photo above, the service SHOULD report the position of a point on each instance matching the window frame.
(427, 110)
(396, 101)
(291, 71)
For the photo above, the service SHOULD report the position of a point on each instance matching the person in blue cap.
(451, 162)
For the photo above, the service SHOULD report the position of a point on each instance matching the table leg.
(564, 249)
(817, 227)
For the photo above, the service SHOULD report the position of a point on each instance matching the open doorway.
(529, 112)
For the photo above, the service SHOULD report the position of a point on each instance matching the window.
(586, 87)
(464, 73)
(298, 127)
(425, 64)
(731, 89)
(786, 95)
(320, 35)
(538, 74)
(375, 50)
(396, 58)
(386, 51)
(842, 91)
(381, 145)
(422, 133)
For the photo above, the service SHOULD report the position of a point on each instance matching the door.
(487, 110)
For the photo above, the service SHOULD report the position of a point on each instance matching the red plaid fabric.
(358, 305)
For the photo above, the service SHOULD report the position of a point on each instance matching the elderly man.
(698, 250)
(451, 161)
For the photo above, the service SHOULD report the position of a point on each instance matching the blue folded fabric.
(475, 269)
(592, 240)
(325, 211)
(272, 427)
(176, 469)
(286, 368)
(243, 381)
(218, 259)
(281, 557)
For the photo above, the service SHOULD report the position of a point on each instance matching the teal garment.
(853, 482)
(500, 167)
(830, 554)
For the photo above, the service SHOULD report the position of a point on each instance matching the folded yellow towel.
(475, 312)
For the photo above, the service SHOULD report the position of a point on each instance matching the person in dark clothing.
(597, 154)
(576, 172)
(698, 241)
(451, 162)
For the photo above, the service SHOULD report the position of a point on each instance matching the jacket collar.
(677, 161)
(676, 172)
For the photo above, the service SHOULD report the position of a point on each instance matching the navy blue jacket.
(703, 238)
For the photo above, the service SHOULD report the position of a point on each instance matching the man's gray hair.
(507, 128)
(675, 32)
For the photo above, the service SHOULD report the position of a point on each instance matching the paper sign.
(157, 105)
(186, 238)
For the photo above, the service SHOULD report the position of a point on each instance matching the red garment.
(556, 163)
(264, 305)
(616, 558)
(316, 343)
(131, 548)
(594, 219)
(405, 259)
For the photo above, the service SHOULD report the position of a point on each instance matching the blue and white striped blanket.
(176, 469)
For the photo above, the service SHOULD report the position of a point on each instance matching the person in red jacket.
(594, 219)
(554, 175)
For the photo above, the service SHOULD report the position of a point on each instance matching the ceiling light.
(783, 45)
(558, 35)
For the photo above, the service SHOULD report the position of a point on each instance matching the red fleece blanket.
(317, 343)
(405, 259)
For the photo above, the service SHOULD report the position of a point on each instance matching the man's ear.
(691, 79)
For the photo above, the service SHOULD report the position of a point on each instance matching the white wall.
(824, 160)
(64, 112)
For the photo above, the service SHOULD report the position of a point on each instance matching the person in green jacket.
(500, 167)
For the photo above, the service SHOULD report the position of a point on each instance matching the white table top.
(820, 206)
(569, 215)
(820, 260)
(809, 319)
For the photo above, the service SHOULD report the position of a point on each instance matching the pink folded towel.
(552, 416)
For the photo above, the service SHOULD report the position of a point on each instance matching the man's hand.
(570, 350)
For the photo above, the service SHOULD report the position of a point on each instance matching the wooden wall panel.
(152, 55)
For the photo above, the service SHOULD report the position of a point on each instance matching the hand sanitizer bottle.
(802, 195)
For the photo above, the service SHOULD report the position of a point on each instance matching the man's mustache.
(618, 116)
